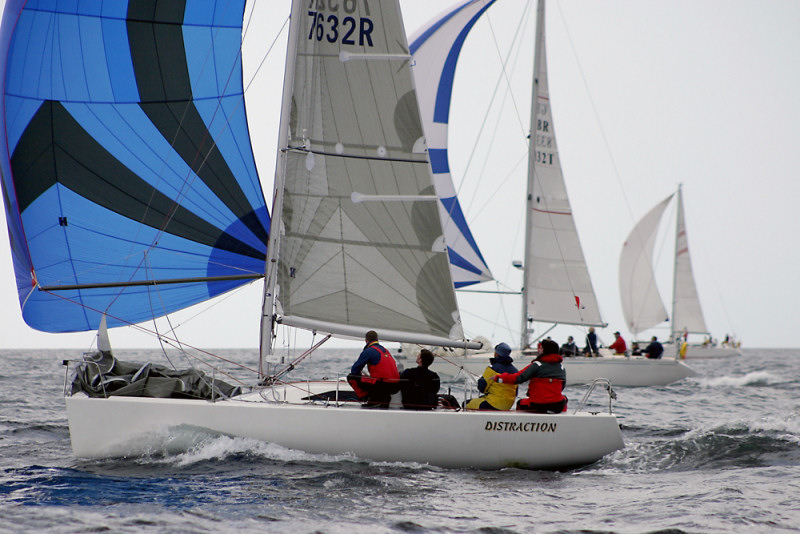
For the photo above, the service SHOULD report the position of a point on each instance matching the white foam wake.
(750, 379)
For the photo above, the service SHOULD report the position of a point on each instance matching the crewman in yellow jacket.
(496, 396)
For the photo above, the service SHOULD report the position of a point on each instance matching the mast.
(679, 215)
(284, 137)
(527, 316)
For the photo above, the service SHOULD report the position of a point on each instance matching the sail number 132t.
(349, 29)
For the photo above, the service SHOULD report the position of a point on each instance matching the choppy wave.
(715, 453)
(768, 441)
(787, 427)
(756, 378)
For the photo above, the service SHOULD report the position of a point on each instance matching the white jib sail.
(361, 242)
(641, 303)
(557, 284)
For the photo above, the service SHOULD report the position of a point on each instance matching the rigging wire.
(593, 106)
(509, 58)
(531, 138)
(508, 93)
(599, 123)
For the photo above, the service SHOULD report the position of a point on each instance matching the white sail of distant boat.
(556, 283)
(355, 242)
(557, 287)
(642, 305)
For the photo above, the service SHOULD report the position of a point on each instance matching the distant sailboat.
(131, 192)
(557, 287)
(641, 302)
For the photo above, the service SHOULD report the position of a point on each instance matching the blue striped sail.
(436, 48)
(128, 177)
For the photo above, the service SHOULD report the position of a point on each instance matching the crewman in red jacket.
(618, 346)
(375, 390)
(547, 378)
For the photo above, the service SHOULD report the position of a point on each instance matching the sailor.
(496, 396)
(591, 344)
(375, 390)
(420, 385)
(654, 350)
(547, 378)
(618, 346)
(569, 348)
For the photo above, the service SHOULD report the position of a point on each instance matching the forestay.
(361, 244)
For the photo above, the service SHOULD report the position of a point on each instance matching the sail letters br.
(334, 26)
(508, 426)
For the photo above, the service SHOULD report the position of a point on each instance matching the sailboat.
(131, 192)
(641, 301)
(557, 287)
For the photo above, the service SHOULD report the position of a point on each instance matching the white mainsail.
(557, 287)
(360, 244)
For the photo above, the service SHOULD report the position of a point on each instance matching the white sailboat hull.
(123, 426)
(696, 352)
(619, 370)
(627, 371)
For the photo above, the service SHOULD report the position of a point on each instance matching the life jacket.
(500, 396)
(541, 389)
(386, 368)
(545, 390)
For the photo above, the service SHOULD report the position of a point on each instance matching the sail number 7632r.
(349, 29)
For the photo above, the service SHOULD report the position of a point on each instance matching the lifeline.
(508, 426)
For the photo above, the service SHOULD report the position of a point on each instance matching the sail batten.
(360, 156)
(153, 282)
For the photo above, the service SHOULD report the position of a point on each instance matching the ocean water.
(715, 453)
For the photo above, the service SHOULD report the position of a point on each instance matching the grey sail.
(361, 243)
